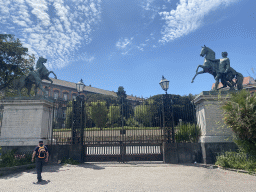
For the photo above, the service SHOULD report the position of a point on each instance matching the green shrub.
(236, 160)
(12, 158)
(187, 133)
(240, 115)
(69, 161)
(131, 122)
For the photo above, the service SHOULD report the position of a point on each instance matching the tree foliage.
(144, 113)
(187, 132)
(14, 60)
(240, 115)
(121, 94)
(181, 106)
(113, 114)
(93, 97)
(98, 112)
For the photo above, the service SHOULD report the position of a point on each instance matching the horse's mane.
(39, 62)
(211, 53)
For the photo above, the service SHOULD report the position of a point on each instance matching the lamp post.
(164, 83)
(80, 86)
(78, 107)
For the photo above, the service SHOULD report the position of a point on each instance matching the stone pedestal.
(216, 136)
(25, 122)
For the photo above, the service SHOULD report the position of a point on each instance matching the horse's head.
(204, 51)
(42, 60)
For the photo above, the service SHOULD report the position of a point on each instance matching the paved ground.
(131, 176)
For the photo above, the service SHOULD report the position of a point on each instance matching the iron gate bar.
(141, 140)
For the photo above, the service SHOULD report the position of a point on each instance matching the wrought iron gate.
(118, 132)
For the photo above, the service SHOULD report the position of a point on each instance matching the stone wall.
(26, 121)
(216, 136)
(182, 153)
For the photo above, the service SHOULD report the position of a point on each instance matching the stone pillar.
(216, 136)
(26, 121)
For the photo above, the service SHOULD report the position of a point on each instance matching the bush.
(240, 115)
(236, 160)
(12, 158)
(132, 122)
(69, 161)
(187, 133)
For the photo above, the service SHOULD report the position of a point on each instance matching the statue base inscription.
(215, 137)
(26, 121)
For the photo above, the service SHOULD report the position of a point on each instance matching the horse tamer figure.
(220, 69)
(34, 77)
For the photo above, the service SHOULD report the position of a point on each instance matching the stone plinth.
(216, 136)
(25, 122)
(210, 117)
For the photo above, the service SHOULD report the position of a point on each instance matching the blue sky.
(133, 43)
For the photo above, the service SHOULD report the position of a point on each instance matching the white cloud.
(39, 9)
(150, 7)
(187, 17)
(58, 35)
(123, 43)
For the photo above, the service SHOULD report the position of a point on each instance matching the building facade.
(66, 91)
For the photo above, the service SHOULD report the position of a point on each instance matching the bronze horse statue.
(43, 71)
(34, 77)
(211, 65)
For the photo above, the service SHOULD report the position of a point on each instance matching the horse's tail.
(55, 76)
(239, 82)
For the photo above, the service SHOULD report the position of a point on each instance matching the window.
(46, 93)
(56, 95)
(55, 114)
(74, 97)
(65, 96)
(64, 114)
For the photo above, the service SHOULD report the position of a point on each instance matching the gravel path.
(131, 176)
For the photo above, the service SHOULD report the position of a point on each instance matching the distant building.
(66, 91)
(248, 83)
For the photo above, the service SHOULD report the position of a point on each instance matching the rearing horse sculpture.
(43, 71)
(211, 65)
(34, 77)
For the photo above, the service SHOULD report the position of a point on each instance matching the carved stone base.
(25, 122)
(216, 136)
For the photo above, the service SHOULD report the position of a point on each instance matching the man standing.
(41, 153)
(223, 69)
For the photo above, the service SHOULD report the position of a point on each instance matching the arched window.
(56, 94)
(65, 96)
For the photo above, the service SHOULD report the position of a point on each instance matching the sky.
(114, 43)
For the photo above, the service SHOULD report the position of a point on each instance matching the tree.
(94, 97)
(113, 114)
(144, 113)
(98, 112)
(240, 115)
(14, 60)
(121, 94)
(182, 108)
(69, 114)
(126, 110)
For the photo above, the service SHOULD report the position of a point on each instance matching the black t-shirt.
(36, 150)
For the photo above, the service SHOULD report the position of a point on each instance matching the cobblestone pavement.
(131, 176)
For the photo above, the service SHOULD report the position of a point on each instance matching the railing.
(142, 123)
